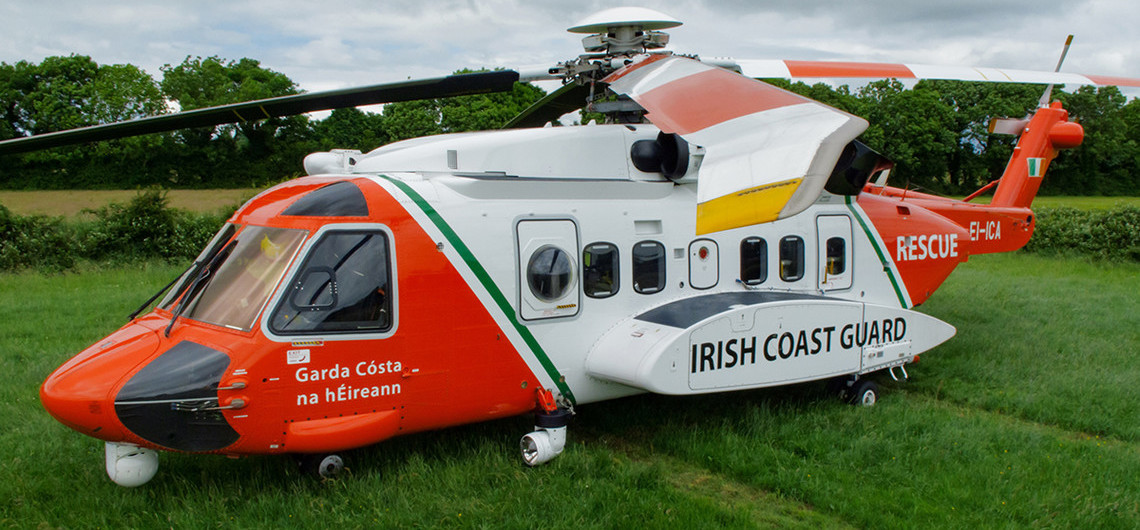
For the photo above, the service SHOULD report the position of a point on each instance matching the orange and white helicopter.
(719, 234)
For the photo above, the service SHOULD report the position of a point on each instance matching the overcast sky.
(341, 43)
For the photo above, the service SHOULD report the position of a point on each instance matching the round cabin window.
(550, 273)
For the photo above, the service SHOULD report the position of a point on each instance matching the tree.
(240, 154)
(1106, 163)
(978, 156)
(914, 128)
(69, 92)
(477, 112)
(199, 83)
(351, 128)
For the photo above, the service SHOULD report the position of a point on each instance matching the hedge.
(147, 228)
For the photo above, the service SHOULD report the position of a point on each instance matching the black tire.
(323, 465)
(864, 392)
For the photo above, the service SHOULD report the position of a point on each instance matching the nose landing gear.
(322, 465)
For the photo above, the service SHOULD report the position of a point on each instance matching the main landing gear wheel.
(323, 466)
(863, 392)
(548, 438)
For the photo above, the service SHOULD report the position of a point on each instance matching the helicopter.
(716, 234)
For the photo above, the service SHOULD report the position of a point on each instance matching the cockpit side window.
(343, 285)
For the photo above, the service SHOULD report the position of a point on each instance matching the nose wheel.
(860, 392)
(863, 393)
(322, 465)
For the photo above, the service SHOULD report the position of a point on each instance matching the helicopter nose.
(173, 400)
(78, 394)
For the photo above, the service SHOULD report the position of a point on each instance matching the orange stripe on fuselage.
(924, 246)
(465, 368)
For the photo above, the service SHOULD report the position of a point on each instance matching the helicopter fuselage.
(394, 301)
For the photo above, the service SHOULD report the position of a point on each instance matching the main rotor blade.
(440, 87)
(838, 69)
(768, 152)
(568, 98)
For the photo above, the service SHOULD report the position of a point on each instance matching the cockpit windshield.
(232, 288)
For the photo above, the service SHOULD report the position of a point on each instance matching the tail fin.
(1046, 133)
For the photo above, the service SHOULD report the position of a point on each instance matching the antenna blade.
(454, 85)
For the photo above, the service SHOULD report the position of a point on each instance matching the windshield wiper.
(199, 281)
(146, 304)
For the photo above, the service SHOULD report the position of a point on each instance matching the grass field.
(72, 203)
(68, 203)
(1030, 417)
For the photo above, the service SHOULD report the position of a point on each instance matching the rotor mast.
(613, 38)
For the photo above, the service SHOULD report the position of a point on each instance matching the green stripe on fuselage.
(488, 284)
(879, 251)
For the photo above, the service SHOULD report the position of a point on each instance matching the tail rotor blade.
(1049, 90)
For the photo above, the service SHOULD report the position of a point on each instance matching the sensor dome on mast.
(624, 30)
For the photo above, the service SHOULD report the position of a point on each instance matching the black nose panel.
(173, 400)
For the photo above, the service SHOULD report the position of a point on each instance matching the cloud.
(352, 42)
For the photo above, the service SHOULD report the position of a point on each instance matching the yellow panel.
(746, 207)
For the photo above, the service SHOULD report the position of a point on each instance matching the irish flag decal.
(1034, 167)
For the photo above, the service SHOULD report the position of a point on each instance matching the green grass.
(1078, 202)
(1084, 203)
(1028, 418)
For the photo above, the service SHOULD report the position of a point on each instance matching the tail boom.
(1044, 136)
(1007, 222)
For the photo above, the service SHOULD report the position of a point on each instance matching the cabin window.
(648, 267)
(791, 258)
(344, 285)
(600, 270)
(753, 261)
(836, 256)
(550, 273)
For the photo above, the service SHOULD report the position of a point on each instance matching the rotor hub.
(624, 30)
